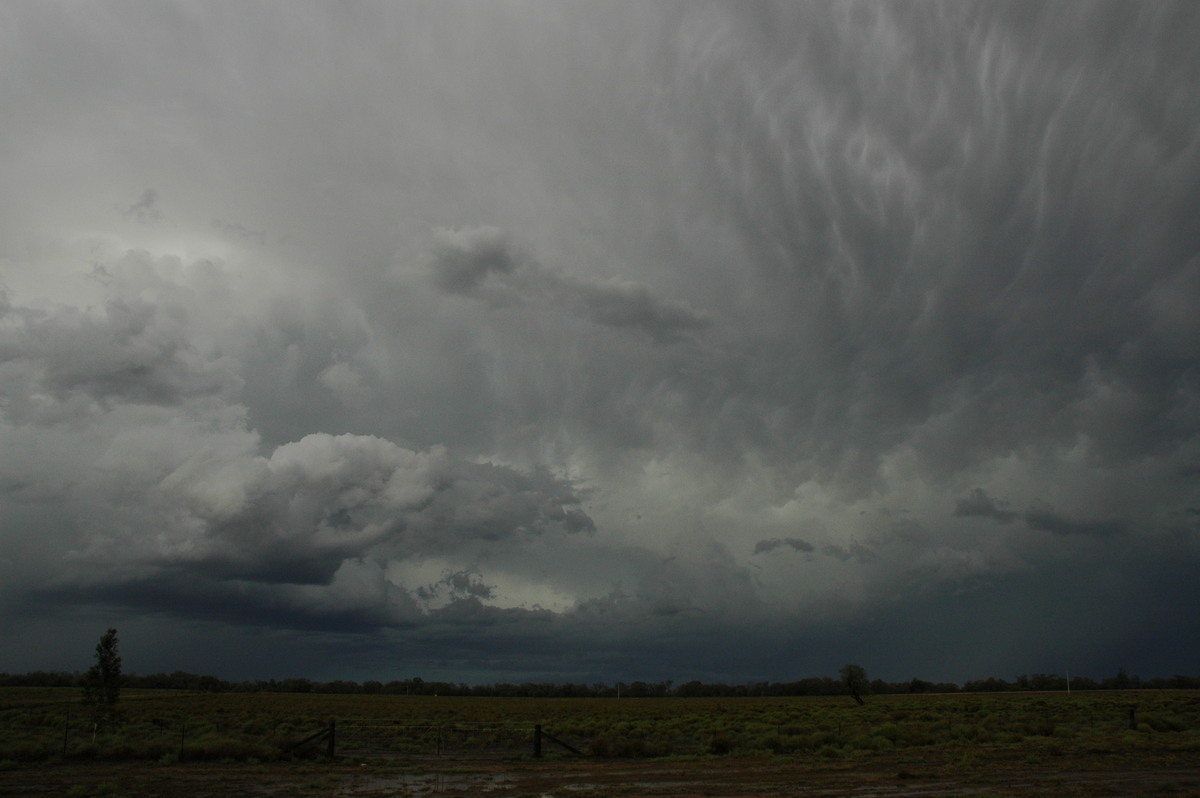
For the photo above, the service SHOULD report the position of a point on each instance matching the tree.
(102, 683)
(854, 679)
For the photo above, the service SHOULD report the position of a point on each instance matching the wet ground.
(732, 777)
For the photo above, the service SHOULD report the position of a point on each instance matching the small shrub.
(871, 742)
(720, 745)
(1165, 723)
(829, 752)
(85, 750)
(1040, 728)
(889, 730)
(599, 746)
(822, 738)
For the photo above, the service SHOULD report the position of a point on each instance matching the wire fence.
(49, 731)
(375, 737)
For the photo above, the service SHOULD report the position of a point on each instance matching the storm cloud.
(604, 341)
(480, 262)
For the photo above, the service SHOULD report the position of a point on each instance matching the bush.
(1041, 728)
(720, 745)
(869, 742)
(829, 752)
(889, 730)
(1164, 723)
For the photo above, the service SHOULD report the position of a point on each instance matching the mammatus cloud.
(481, 262)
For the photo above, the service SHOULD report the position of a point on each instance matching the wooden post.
(182, 735)
(537, 740)
(66, 732)
(1133, 717)
(332, 747)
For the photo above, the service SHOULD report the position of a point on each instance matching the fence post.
(66, 732)
(332, 737)
(537, 740)
(182, 736)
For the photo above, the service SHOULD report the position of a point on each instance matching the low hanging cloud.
(296, 516)
(145, 210)
(164, 488)
(795, 544)
(1043, 517)
(456, 585)
(464, 258)
(978, 504)
(1040, 516)
(130, 351)
(482, 262)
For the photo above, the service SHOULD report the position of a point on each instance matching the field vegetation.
(172, 743)
(43, 724)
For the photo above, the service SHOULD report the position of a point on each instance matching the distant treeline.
(813, 686)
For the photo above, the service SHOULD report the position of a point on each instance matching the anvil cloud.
(596, 341)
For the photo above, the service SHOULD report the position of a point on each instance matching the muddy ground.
(982, 773)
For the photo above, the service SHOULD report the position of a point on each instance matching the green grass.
(39, 724)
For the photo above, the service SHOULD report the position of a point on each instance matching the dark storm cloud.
(855, 551)
(979, 504)
(960, 276)
(458, 584)
(297, 516)
(180, 594)
(464, 260)
(919, 280)
(628, 305)
(1043, 517)
(132, 351)
(1039, 516)
(795, 544)
(145, 210)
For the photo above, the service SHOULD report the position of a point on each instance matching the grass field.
(225, 744)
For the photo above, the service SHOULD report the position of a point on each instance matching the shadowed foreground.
(985, 772)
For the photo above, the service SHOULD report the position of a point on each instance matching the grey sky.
(600, 340)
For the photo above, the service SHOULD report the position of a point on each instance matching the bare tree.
(854, 678)
(102, 683)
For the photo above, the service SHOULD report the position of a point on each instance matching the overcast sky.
(594, 341)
